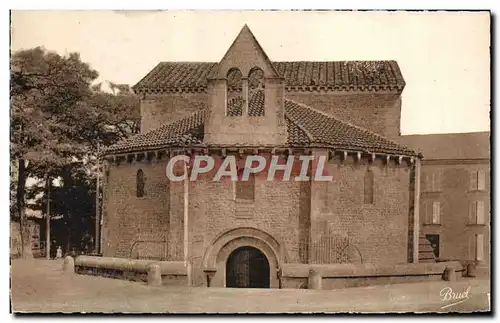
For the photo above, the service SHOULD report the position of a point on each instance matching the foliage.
(57, 120)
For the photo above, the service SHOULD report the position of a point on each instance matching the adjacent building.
(455, 194)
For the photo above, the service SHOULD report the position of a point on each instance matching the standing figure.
(59, 253)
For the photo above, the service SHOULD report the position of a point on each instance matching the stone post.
(449, 274)
(314, 280)
(154, 275)
(471, 269)
(69, 265)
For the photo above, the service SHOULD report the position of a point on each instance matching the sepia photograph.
(236, 162)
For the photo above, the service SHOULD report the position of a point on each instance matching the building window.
(256, 95)
(434, 241)
(436, 212)
(476, 212)
(245, 190)
(140, 183)
(479, 247)
(431, 181)
(477, 180)
(234, 93)
(432, 213)
(368, 189)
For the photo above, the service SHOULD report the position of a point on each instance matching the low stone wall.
(172, 272)
(354, 275)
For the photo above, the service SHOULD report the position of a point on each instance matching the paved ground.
(40, 286)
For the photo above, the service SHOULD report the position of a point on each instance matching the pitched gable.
(244, 54)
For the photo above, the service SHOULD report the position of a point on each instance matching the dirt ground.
(41, 286)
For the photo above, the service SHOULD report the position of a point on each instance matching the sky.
(444, 56)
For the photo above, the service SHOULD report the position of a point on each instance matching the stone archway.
(216, 256)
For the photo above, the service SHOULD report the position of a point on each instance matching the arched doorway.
(247, 267)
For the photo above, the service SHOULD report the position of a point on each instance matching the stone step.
(425, 250)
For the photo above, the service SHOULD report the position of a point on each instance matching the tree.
(46, 89)
(58, 118)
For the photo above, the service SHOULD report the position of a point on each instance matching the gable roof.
(298, 75)
(326, 130)
(246, 31)
(471, 145)
(306, 127)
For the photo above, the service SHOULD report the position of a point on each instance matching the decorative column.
(244, 83)
(319, 197)
(187, 261)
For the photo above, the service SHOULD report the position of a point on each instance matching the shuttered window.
(431, 212)
(436, 213)
(424, 182)
(140, 183)
(476, 212)
(479, 247)
(478, 180)
(481, 180)
(479, 212)
(431, 181)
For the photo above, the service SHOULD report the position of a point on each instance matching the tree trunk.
(26, 251)
(97, 213)
(68, 237)
(47, 226)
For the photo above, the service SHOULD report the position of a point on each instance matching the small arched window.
(256, 96)
(245, 189)
(234, 95)
(140, 183)
(368, 191)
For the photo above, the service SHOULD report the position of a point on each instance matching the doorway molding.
(216, 256)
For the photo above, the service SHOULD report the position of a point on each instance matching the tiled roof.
(297, 137)
(306, 76)
(235, 106)
(325, 130)
(306, 127)
(471, 145)
(187, 131)
(255, 105)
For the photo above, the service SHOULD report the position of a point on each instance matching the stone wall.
(136, 226)
(157, 110)
(378, 112)
(284, 210)
(378, 231)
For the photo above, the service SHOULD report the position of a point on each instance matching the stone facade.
(455, 176)
(457, 228)
(151, 227)
(362, 216)
(378, 112)
(158, 109)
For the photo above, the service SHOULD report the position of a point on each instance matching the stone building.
(243, 233)
(455, 194)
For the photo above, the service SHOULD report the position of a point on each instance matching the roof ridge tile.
(333, 75)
